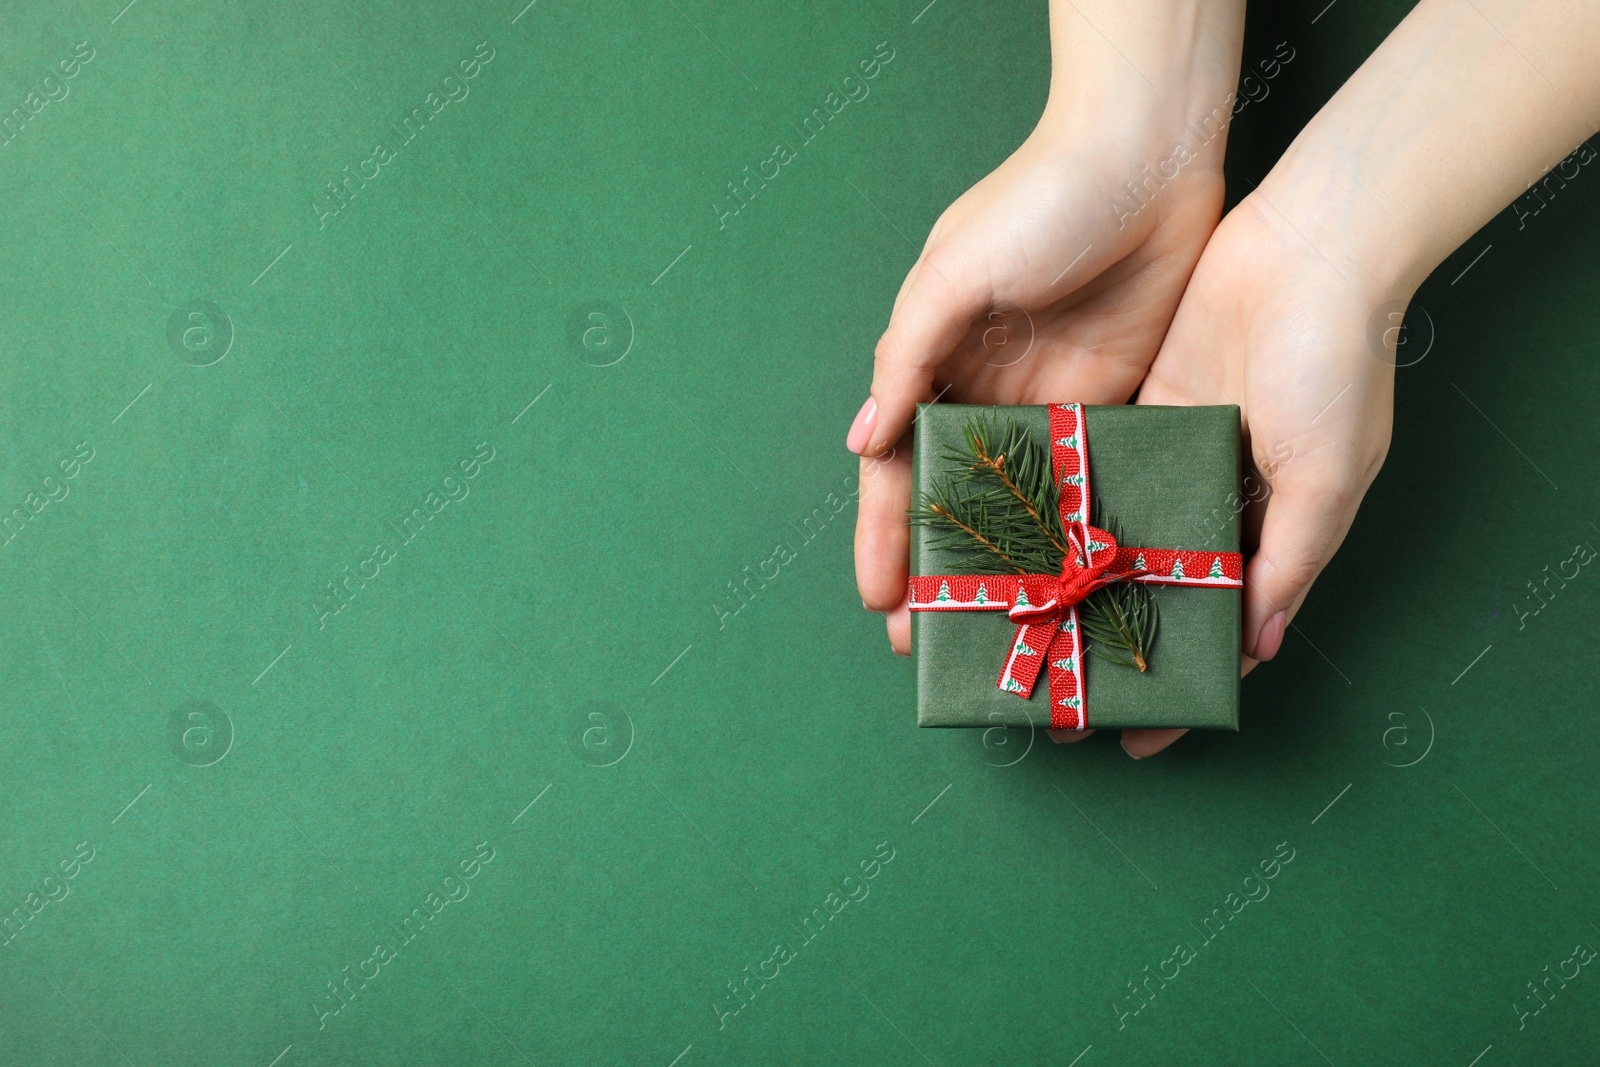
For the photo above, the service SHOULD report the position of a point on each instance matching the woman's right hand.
(1056, 276)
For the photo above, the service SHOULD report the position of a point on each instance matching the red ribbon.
(1045, 606)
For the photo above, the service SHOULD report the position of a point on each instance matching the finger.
(1169, 385)
(1068, 737)
(1142, 743)
(883, 539)
(929, 319)
(1303, 524)
(1246, 664)
(1256, 493)
(899, 627)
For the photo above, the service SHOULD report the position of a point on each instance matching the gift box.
(1006, 649)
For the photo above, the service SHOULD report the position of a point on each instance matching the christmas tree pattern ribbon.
(1045, 606)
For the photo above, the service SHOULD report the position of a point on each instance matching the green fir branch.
(1121, 618)
(999, 504)
(1001, 508)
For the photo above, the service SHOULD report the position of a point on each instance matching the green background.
(554, 664)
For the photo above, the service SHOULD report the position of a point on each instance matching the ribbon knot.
(1045, 606)
(1083, 570)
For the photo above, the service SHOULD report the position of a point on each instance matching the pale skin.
(1455, 114)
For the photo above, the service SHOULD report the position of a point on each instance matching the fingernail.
(1131, 753)
(1271, 637)
(861, 430)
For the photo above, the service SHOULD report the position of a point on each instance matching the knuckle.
(1297, 570)
(890, 346)
(1380, 449)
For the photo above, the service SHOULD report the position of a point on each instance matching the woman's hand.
(1291, 313)
(1271, 323)
(1056, 276)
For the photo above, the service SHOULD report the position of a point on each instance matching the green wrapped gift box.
(1170, 475)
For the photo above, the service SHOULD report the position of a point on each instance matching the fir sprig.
(1120, 619)
(1001, 508)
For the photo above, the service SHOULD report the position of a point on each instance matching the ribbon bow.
(1078, 578)
(1045, 606)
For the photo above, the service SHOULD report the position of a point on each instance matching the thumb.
(1303, 525)
(931, 316)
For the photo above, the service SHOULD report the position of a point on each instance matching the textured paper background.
(1171, 477)
(698, 787)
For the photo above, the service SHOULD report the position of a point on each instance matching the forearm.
(1131, 65)
(1460, 109)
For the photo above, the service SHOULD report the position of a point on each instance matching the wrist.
(1323, 194)
(1143, 72)
(1441, 127)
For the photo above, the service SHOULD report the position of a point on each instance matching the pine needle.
(1121, 618)
(1001, 507)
